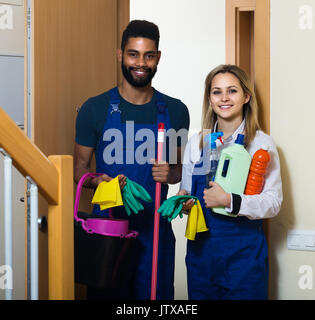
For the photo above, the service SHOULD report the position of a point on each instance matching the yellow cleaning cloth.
(196, 222)
(108, 194)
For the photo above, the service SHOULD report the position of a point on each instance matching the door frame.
(261, 49)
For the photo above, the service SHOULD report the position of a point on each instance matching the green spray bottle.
(233, 170)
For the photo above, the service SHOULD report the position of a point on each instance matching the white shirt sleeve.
(268, 203)
(191, 156)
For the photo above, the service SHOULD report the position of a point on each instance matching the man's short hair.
(140, 29)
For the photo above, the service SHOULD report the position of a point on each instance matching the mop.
(161, 135)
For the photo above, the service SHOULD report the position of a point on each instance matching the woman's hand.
(216, 196)
(188, 204)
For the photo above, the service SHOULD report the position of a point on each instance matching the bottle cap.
(240, 139)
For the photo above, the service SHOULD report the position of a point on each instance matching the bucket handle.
(132, 234)
(77, 197)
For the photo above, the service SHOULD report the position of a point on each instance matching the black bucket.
(103, 261)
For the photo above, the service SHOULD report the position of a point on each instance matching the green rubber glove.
(178, 209)
(131, 194)
(138, 191)
(172, 207)
(167, 206)
(127, 208)
(176, 212)
(130, 201)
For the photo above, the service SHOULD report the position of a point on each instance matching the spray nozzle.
(213, 137)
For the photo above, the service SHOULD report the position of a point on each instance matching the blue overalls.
(143, 222)
(230, 262)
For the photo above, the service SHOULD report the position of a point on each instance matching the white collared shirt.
(267, 204)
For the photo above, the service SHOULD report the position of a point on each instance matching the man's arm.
(82, 163)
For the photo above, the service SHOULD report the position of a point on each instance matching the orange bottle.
(257, 170)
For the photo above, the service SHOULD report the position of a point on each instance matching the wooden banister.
(28, 159)
(54, 178)
(60, 234)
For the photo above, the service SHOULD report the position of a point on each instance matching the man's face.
(139, 61)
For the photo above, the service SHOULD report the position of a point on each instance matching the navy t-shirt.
(91, 118)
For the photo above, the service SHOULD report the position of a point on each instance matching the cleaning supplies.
(196, 222)
(156, 229)
(108, 195)
(214, 140)
(172, 207)
(104, 248)
(233, 170)
(132, 193)
(258, 168)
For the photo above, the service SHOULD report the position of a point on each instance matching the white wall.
(292, 127)
(192, 44)
(11, 27)
(12, 101)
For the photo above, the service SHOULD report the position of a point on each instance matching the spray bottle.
(233, 170)
(215, 139)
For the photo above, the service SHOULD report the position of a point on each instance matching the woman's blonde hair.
(250, 109)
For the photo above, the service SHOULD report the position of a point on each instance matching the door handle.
(42, 223)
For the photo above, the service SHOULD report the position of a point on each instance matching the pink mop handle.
(161, 135)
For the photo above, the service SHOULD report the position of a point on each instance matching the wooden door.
(73, 45)
(248, 46)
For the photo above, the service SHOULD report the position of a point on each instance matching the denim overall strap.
(142, 222)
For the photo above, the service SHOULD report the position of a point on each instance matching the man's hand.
(97, 180)
(164, 172)
(160, 171)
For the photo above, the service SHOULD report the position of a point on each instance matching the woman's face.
(227, 97)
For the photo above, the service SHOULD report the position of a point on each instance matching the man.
(137, 105)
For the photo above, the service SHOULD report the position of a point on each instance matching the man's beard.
(139, 83)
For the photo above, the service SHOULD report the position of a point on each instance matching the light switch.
(301, 240)
(309, 240)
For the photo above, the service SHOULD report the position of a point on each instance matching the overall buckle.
(115, 108)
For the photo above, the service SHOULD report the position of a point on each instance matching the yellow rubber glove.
(196, 222)
(108, 194)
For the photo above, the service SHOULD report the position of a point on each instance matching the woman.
(230, 262)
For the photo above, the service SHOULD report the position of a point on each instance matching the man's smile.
(141, 73)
